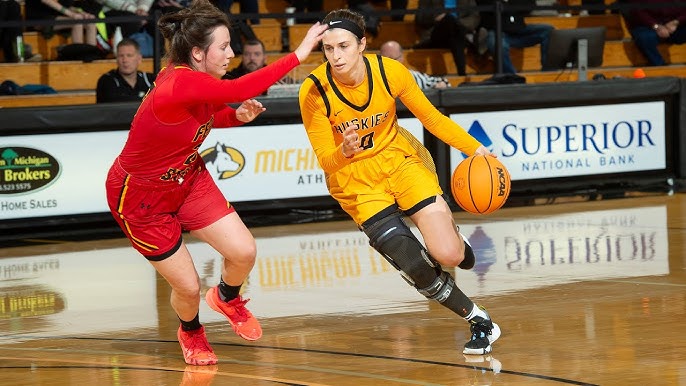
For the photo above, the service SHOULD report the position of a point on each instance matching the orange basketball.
(480, 184)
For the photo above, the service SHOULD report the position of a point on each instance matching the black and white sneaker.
(484, 333)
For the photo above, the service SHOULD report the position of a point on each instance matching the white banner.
(270, 162)
(64, 174)
(571, 141)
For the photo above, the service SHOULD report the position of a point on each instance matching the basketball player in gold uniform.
(378, 172)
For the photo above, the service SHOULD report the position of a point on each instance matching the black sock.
(457, 301)
(228, 292)
(192, 325)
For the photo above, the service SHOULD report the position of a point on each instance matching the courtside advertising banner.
(56, 174)
(64, 174)
(571, 141)
(270, 162)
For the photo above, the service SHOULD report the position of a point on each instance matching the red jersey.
(178, 113)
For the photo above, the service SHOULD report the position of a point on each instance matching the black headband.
(348, 25)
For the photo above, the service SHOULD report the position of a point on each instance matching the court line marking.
(108, 366)
(646, 283)
(314, 369)
(328, 352)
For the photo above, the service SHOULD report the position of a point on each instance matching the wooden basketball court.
(586, 293)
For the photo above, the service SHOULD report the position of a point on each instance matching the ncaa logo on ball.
(502, 181)
(460, 183)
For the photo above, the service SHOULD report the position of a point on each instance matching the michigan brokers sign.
(24, 169)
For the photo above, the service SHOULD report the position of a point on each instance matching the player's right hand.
(482, 150)
(351, 142)
(310, 41)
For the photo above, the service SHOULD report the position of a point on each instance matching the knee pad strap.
(440, 289)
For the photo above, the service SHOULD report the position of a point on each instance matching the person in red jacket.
(158, 186)
(653, 24)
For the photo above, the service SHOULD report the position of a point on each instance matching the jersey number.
(367, 141)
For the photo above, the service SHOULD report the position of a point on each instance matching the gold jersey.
(394, 168)
(327, 107)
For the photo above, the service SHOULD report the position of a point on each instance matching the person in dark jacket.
(441, 29)
(126, 83)
(253, 59)
(651, 26)
(516, 33)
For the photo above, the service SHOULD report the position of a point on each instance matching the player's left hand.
(481, 150)
(249, 110)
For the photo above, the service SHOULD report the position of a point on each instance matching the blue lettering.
(588, 131)
(509, 140)
(570, 138)
(643, 132)
(554, 134)
(524, 141)
(615, 134)
(581, 137)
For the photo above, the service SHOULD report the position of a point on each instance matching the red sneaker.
(241, 320)
(199, 375)
(196, 349)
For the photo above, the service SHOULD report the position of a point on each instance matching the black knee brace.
(440, 289)
(391, 237)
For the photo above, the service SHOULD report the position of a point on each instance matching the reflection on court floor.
(299, 274)
(587, 293)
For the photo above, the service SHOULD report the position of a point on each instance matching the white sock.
(476, 311)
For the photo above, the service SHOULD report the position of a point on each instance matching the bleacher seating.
(76, 81)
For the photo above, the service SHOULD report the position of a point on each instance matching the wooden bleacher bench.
(678, 70)
(63, 75)
(46, 47)
(64, 98)
(620, 58)
(403, 32)
(74, 75)
(616, 28)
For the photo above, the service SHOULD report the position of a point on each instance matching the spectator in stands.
(516, 33)
(651, 26)
(440, 29)
(372, 19)
(10, 10)
(307, 6)
(119, 8)
(126, 83)
(392, 49)
(246, 6)
(62, 10)
(253, 59)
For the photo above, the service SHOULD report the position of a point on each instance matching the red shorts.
(153, 214)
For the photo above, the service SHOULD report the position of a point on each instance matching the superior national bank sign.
(572, 141)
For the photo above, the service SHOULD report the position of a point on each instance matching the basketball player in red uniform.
(378, 172)
(158, 186)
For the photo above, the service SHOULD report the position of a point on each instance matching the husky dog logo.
(223, 161)
(477, 131)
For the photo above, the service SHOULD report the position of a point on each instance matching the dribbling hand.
(249, 110)
(481, 150)
(351, 142)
